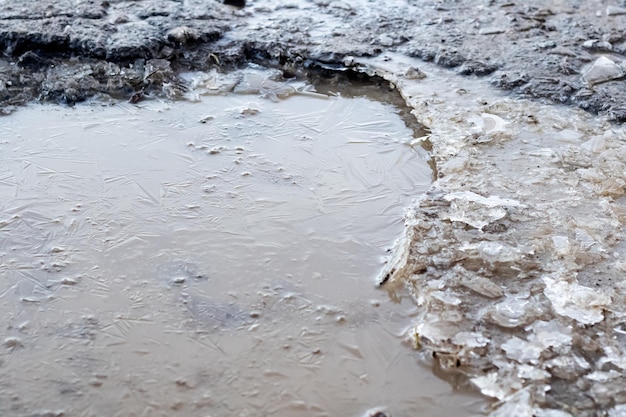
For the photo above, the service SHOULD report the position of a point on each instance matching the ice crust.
(515, 255)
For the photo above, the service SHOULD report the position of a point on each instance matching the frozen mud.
(566, 51)
(515, 254)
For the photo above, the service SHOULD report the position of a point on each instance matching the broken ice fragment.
(521, 350)
(512, 312)
(491, 201)
(446, 298)
(549, 334)
(463, 208)
(483, 286)
(575, 301)
(547, 412)
(530, 372)
(618, 411)
(517, 404)
(470, 339)
(603, 69)
(561, 245)
(490, 385)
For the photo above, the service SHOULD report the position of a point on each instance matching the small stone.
(236, 3)
(69, 281)
(13, 342)
(182, 35)
(413, 73)
(179, 280)
(95, 382)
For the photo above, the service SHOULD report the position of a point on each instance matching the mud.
(68, 51)
(515, 255)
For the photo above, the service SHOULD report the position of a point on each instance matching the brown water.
(208, 259)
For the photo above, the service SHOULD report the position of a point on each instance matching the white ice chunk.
(531, 372)
(462, 208)
(470, 339)
(490, 385)
(603, 69)
(437, 332)
(549, 412)
(517, 404)
(550, 334)
(511, 312)
(575, 301)
(614, 356)
(483, 286)
(491, 201)
(618, 411)
(602, 376)
(561, 245)
(585, 239)
(446, 298)
(521, 350)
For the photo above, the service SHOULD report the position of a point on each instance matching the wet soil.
(68, 51)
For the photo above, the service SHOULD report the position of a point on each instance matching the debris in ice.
(603, 69)
(488, 127)
(437, 331)
(483, 286)
(576, 301)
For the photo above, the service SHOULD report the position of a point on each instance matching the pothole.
(211, 255)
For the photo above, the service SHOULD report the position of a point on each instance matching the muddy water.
(209, 258)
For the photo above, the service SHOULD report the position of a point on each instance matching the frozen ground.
(515, 255)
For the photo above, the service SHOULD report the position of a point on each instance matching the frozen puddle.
(211, 258)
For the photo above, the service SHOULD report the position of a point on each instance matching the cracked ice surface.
(515, 255)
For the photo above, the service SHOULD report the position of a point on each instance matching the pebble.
(236, 3)
(13, 342)
(413, 73)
